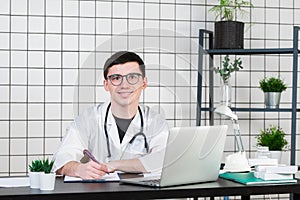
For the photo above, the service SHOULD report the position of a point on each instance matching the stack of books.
(267, 171)
(248, 178)
(279, 172)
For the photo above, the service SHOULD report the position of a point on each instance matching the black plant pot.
(229, 35)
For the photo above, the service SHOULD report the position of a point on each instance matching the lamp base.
(237, 162)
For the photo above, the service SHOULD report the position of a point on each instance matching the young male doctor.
(121, 134)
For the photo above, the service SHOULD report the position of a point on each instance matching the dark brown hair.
(122, 57)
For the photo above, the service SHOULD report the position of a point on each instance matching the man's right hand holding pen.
(90, 170)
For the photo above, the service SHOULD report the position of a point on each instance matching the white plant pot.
(47, 181)
(34, 178)
(277, 155)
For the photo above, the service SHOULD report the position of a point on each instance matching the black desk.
(114, 190)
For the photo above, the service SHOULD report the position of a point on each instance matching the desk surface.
(114, 190)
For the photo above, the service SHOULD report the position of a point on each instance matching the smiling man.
(121, 134)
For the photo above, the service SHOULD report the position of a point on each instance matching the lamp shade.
(225, 111)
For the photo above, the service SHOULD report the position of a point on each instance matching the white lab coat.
(87, 132)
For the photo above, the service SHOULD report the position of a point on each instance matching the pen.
(90, 155)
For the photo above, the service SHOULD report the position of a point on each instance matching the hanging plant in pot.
(225, 73)
(229, 33)
(272, 88)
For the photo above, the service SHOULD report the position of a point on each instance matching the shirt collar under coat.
(112, 130)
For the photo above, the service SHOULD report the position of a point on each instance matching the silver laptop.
(193, 155)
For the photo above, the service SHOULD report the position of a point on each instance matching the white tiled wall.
(52, 52)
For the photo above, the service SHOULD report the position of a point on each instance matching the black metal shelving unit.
(211, 52)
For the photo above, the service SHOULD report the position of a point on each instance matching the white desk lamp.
(236, 162)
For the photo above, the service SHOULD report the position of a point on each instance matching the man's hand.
(89, 170)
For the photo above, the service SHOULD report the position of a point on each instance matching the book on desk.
(248, 178)
(280, 172)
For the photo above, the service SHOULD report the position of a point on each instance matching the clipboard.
(248, 178)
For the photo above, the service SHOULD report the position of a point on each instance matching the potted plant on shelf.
(273, 138)
(35, 169)
(225, 73)
(229, 33)
(47, 178)
(272, 88)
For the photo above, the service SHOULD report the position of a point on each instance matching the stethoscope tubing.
(141, 133)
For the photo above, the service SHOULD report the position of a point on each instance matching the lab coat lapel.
(112, 130)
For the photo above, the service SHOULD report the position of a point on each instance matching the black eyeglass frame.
(110, 77)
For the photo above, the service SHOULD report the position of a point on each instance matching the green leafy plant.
(228, 67)
(272, 137)
(47, 165)
(227, 10)
(272, 84)
(36, 166)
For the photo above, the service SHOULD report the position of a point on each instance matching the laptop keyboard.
(152, 182)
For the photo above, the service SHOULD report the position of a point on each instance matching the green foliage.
(272, 85)
(273, 137)
(228, 68)
(47, 165)
(227, 10)
(36, 166)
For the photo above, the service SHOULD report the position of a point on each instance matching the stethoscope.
(132, 139)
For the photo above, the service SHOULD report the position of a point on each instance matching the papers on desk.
(14, 182)
(111, 177)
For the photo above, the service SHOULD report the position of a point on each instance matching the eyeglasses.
(117, 79)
